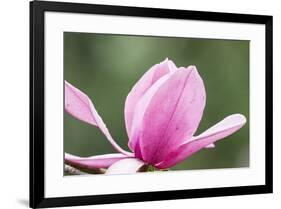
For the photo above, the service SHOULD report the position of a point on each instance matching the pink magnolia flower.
(162, 113)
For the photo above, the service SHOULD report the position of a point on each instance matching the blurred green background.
(106, 67)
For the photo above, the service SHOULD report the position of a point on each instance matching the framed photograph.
(135, 104)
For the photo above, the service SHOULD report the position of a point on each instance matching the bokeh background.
(106, 67)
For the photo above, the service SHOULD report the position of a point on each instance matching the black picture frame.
(37, 196)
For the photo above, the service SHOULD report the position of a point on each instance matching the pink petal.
(126, 166)
(224, 128)
(145, 82)
(210, 146)
(98, 161)
(139, 114)
(168, 115)
(80, 106)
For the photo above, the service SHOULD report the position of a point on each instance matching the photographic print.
(133, 104)
(154, 104)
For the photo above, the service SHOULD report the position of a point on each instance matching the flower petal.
(139, 114)
(145, 82)
(172, 114)
(210, 146)
(94, 162)
(126, 166)
(80, 106)
(224, 128)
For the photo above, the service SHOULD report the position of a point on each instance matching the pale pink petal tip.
(210, 146)
(126, 166)
(78, 104)
(98, 161)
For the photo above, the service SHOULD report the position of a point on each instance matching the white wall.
(14, 78)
